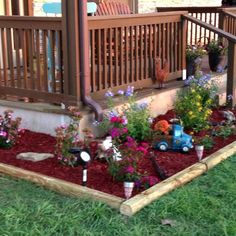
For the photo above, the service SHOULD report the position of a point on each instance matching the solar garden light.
(82, 158)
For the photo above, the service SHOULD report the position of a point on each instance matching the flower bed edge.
(133, 205)
(61, 186)
(136, 203)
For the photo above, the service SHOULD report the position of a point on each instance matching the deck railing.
(229, 24)
(123, 49)
(231, 70)
(31, 62)
(36, 53)
(195, 33)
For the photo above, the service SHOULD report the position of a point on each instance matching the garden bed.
(101, 186)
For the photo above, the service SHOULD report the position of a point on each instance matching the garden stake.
(83, 158)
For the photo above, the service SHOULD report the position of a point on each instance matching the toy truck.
(175, 140)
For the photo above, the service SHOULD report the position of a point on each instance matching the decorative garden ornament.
(128, 189)
(199, 149)
(107, 144)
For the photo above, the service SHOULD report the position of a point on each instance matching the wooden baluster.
(10, 56)
(105, 54)
(93, 61)
(121, 42)
(45, 59)
(99, 78)
(4, 56)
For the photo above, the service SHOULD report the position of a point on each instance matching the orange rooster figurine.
(161, 74)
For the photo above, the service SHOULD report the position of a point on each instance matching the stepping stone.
(34, 156)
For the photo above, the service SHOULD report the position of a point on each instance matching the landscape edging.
(133, 205)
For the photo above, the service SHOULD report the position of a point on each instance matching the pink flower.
(63, 126)
(153, 180)
(129, 169)
(142, 149)
(114, 119)
(125, 130)
(3, 133)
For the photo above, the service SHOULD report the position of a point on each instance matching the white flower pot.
(199, 149)
(128, 189)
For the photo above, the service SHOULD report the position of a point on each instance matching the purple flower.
(189, 80)
(143, 105)
(229, 97)
(112, 114)
(220, 69)
(109, 94)
(130, 91)
(120, 92)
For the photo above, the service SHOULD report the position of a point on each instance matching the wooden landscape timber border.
(133, 205)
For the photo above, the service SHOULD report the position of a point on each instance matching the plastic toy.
(175, 140)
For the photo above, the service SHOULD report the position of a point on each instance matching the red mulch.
(98, 178)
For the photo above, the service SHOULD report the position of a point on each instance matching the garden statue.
(175, 139)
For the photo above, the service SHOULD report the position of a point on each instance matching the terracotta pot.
(128, 189)
(214, 60)
(199, 150)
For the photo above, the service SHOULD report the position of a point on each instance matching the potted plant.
(125, 170)
(216, 52)
(194, 56)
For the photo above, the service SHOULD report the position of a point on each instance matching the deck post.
(231, 75)
(70, 35)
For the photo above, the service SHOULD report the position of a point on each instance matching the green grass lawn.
(207, 206)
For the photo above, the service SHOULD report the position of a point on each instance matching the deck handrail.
(29, 22)
(189, 9)
(220, 32)
(228, 13)
(95, 22)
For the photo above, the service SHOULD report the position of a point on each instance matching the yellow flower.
(190, 113)
(198, 104)
(193, 90)
(208, 101)
(198, 97)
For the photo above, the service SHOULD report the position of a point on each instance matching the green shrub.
(194, 103)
